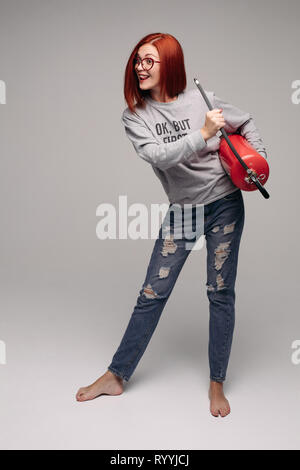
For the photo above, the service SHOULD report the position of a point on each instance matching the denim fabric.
(223, 226)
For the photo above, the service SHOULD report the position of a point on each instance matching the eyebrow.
(145, 55)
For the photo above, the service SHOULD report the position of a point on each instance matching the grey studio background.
(66, 296)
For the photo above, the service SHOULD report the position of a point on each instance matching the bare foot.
(107, 384)
(218, 403)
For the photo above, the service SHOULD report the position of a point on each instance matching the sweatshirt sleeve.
(251, 133)
(160, 155)
(236, 119)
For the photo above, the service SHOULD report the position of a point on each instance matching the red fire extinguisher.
(247, 169)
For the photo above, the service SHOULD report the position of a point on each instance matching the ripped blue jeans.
(223, 222)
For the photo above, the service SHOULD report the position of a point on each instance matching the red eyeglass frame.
(136, 63)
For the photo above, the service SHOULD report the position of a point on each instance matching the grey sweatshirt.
(168, 136)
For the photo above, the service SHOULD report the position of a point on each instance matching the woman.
(171, 129)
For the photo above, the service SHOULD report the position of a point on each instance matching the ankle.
(216, 385)
(110, 374)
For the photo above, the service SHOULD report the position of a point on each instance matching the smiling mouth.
(143, 78)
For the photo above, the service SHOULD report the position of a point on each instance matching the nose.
(139, 68)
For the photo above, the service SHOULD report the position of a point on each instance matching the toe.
(80, 394)
(224, 412)
(82, 397)
(214, 412)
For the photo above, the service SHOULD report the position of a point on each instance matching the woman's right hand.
(213, 122)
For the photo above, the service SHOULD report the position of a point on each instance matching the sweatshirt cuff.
(196, 141)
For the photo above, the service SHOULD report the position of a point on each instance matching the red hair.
(172, 70)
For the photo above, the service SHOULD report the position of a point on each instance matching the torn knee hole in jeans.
(163, 272)
(221, 254)
(169, 246)
(220, 284)
(229, 228)
(149, 292)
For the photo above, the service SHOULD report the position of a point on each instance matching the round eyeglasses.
(147, 62)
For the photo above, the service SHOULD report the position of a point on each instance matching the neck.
(156, 96)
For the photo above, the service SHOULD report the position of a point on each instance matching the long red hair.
(172, 70)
